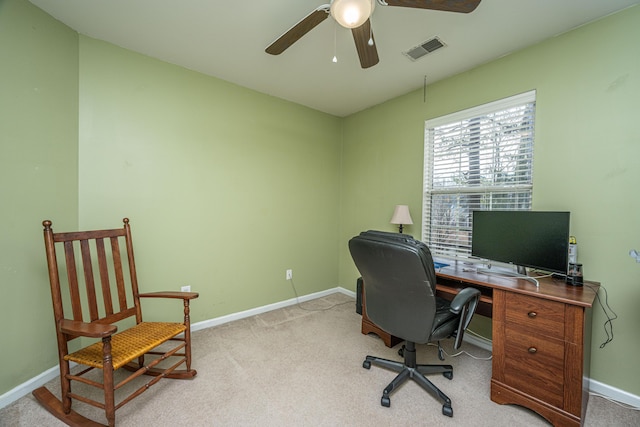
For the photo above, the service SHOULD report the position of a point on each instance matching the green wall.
(38, 178)
(587, 160)
(226, 188)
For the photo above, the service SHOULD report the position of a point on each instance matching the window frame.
(460, 243)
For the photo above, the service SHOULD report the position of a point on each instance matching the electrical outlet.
(186, 288)
(289, 274)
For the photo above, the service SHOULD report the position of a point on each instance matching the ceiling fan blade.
(296, 32)
(461, 6)
(368, 54)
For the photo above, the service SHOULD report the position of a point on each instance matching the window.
(476, 159)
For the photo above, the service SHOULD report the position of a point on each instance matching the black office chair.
(399, 287)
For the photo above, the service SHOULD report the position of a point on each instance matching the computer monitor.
(535, 239)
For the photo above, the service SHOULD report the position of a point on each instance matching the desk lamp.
(401, 216)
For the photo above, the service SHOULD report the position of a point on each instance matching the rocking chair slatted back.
(91, 244)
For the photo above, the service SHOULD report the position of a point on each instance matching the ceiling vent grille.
(422, 49)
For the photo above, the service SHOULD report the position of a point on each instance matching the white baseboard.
(612, 393)
(266, 308)
(478, 341)
(28, 386)
(46, 376)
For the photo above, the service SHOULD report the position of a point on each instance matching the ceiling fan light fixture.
(352, 13)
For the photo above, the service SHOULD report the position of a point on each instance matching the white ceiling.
(226, 39)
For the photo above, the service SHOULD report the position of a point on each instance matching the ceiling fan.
(354, 14)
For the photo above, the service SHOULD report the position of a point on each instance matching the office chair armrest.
(463, 298)
(171, 294)
(83, 329)
(464, 304)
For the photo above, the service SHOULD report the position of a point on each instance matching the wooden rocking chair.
(92, 313)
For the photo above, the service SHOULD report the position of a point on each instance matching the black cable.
(609, 322)
(314, 309)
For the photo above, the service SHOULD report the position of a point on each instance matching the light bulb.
(351, 13)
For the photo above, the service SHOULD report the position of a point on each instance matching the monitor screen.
(536, 239)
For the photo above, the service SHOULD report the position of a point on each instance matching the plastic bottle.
(573, 250)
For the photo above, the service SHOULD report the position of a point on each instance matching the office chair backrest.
(399, 283)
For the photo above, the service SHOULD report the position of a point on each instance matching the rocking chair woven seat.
(93, 307)
(128, 345)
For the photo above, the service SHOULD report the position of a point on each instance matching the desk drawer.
(535, 315)
(534, 365)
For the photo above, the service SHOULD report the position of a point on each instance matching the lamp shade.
(352, 13)
(401, 215)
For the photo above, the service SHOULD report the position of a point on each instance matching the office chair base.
(440, 352)
(409, 369)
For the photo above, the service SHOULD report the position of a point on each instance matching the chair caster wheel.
(385, 401)
(401, 351)
(447, 410)
(366, 364)
(448, 375)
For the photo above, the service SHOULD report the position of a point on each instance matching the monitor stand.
(521, 273)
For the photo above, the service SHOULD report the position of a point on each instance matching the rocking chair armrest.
(83, 329)
(171, 294)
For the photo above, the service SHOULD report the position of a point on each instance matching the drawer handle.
(532, 314)
(533, 350)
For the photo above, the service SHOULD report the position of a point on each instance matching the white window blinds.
(476, 159)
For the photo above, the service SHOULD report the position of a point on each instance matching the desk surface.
(550, 288)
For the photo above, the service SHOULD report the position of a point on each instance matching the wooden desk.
(541, 340)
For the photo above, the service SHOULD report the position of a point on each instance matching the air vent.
(422, 49)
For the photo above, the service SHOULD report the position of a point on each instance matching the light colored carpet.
(303, 367)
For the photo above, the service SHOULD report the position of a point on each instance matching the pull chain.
(335, 36)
